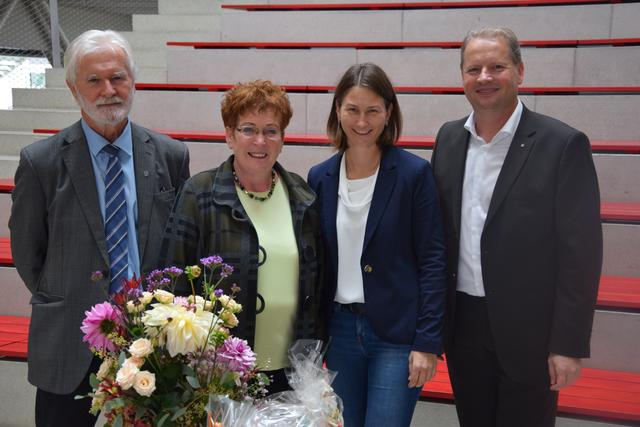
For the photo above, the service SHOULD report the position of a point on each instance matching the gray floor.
(17, 399)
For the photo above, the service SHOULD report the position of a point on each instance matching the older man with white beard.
(94, 197)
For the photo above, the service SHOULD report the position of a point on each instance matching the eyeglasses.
(252, 132)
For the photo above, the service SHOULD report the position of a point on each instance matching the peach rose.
(145, 383)
(127, 374)
(141, 348)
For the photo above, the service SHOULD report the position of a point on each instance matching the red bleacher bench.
(439, 90)
(5, 252)
(629, 41)
(614, 291)
(600, 146)
(619, 292)
(6, 185)
(411, 5)
(14, 332)
(599, 393)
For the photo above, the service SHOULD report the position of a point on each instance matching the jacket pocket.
(45, 298)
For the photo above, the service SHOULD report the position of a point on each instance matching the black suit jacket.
(541, 246)
(57, 239)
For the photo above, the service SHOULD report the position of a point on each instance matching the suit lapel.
(523, 142)
(143, 159)
(383, 188)
(456, 166)
(330, 205)
(77, 159)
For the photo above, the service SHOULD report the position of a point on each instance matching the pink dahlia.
(237, 355)
(102, 320)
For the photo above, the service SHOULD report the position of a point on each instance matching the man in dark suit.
(94, 197)
(520, 204)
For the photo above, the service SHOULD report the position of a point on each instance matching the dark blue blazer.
(404, 282)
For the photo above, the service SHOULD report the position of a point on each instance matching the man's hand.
(563, 370)
(422, 367)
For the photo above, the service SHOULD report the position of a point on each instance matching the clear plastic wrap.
(311, 403)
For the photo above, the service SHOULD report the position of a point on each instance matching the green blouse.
(277, 276)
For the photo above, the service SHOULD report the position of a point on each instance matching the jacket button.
(368, 268)
(308, 301)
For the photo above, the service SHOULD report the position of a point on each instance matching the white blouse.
(354, 201)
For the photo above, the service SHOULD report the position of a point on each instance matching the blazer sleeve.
(184, 173)
(28, 223)
(579, 249)
(429, 248)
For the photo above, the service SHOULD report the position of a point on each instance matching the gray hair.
(96, 41)
(494, 33)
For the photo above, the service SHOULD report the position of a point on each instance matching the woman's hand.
(422, 367)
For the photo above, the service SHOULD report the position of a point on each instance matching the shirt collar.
(509, 128)
(96, 141)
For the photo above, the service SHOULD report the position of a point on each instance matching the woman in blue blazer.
(385, 260)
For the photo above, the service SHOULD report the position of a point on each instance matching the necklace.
(254, 196)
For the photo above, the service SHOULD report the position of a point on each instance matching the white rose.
(229, 304)
(104, 369)
(146, 298)
(229, 319)
(145, 383)
(133, 308)
(200, 302)
(163, 296)
(138, 361)
(127, 374)
(140, 348)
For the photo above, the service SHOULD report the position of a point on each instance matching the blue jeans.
(373, 375)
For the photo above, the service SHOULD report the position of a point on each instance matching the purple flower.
(237, 355)
(135, 293)
(99, 322)
(212, 261)
(235, 288)
(154, 275)
(158, 284)
(226, 270)
(172, 271)
(218, 293)
(153, 279)
(97, 276)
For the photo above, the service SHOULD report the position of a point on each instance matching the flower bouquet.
(163, 355)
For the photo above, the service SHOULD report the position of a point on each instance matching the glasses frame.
(276, 138)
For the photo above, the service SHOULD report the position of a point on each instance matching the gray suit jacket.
(541, 246)
(57, 239)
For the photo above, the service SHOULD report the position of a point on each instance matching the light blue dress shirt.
(99, 160)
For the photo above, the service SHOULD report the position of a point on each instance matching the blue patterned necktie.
(115, 224)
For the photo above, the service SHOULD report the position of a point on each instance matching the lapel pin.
(146, 173)
(521, 145)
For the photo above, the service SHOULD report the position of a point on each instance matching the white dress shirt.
(354, 201)
(483, 165)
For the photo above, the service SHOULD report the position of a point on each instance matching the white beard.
(106, 116)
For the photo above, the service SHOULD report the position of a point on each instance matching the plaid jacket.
(209, 219)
